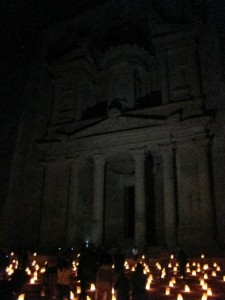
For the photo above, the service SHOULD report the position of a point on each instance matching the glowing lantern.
(218, 268)
(175, 268)
(32, 280)
(148, 284)
(214, 264)
(171, 284)
(150, 277)
(113, 291)
(113, 266)
(194, 264)
(143, 257)
(78, 290)
(88, 298)
(204, 296)
(179, 297)
(133, 269)
(169, 265)
(167, 292)
(188, 270)
(205, 286)
(202, 282)
(193, 273)
(202, 256)
(113, 297)
(223, 278)
(35, 254)
(209, 292)
(71, 295)
(42, 270)
(163, 273)
(172, 256)
(173, 279)
(92, 288)
(206, 266)
(21, 297)
(205, 276)
(186, 288)
(214, 273)
(198, 269)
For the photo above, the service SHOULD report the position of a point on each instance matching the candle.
(186, 288)
(209, 292)
(167, 292)
(171, 283)
(204, 296)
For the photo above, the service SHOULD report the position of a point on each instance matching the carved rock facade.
(121, 137)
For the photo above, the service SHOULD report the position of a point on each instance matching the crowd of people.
(95, 265)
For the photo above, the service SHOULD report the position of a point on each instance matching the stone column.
(98, 202)
(205, 187)
(71, 229)
(164, 76)
(169, 196)
(140, 205)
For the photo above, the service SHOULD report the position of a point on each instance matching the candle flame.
(167, 292)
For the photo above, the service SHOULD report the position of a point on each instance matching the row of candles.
(201, 269)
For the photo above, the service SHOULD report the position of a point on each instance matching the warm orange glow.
(209, 292)
(205, 286)
(214, 273)
(71, 295)
(205, 276)
(173, 279)
(179, 297)
(171, 284)
(204, 296)
(167, 292)
(92, 288)
(21, 297)
(186, 288)
(78, 290)
(148, 285)
(202, 256)
(193, 273)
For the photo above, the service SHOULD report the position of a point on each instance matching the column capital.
(164, 148)
(138, 153)
(99, 159)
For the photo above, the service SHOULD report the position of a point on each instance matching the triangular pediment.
(117, 123)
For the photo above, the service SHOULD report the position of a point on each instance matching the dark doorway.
(129, 210)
